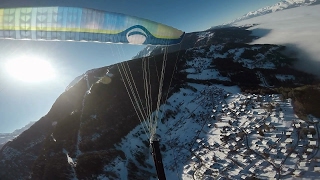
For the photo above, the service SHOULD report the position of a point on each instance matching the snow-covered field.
(298, 28)
(215, 131)
(219, 132)
(212, 131)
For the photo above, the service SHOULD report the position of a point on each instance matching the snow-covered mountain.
(295, 28)
(231, 109)
(285, 4)
(5, 137)
(220, 118)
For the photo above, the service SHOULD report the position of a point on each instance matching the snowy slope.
(219, 132)
(208, 128)
(215, 131)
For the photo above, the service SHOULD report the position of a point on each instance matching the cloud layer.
(297, 28)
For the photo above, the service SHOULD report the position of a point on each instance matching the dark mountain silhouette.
(81, 135)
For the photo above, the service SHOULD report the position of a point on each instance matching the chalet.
(297, 125)
(285, 169)
(269, 168)
(252, 169)
(233, 143)
(264, 142)
(209, 163)
(293, 155)
(226, 164)
(283, 150)
(198, 165)
(237, 171)
(313, 143)
(246, 161)
(261, 149)
(288, 140)
(278, 161)
(303, 164)
(238, 139)
(317, 169)
(259, 162)
(255, 141)
(283, 144)
(309, 150)
(273, 151)
(297, 172)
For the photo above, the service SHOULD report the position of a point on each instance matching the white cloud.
(298, 28)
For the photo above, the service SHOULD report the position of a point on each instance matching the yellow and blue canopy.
(81, 24)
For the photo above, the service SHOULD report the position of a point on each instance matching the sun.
(30, 69)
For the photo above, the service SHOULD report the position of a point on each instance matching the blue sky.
(22, 102)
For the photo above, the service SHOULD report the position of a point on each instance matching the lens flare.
(30, 69)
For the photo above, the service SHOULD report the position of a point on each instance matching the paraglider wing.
(81, 24)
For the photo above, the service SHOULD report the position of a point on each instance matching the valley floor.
(217, 132)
